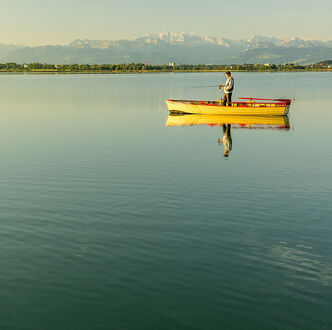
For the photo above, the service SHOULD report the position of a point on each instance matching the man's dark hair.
(228, 72)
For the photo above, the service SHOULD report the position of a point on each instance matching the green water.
(110, 220)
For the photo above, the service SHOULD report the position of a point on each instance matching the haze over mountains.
(185, 48)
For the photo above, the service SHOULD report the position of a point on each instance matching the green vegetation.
(141, 67)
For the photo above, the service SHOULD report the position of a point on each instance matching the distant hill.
(324, 63)
(4, 48)
(174, 47)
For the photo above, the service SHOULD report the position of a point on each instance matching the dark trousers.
(227, 100)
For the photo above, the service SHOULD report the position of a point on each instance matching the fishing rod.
(204, 86)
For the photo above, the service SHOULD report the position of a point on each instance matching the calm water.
(111, 220)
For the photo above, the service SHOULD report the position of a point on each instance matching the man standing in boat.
(228, 89)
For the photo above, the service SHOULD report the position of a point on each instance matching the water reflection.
(226, 139)
(301, 263)
(252, 122)
(227, 123)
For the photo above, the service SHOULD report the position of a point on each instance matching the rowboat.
(249, 122)
(250, 107)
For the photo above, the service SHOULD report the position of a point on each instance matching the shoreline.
(147, 71)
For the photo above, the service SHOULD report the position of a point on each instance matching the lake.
(112, 220)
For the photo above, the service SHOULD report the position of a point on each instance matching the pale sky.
(40, 22)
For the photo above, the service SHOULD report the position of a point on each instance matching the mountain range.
(181, 48)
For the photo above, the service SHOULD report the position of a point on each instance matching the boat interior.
(249, 103)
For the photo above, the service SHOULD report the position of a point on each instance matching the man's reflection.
(226, 139)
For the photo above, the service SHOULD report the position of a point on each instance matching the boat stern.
(287, 109)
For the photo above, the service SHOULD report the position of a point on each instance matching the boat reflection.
(226, 123)
(252, 122)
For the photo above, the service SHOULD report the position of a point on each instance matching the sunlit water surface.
(111, 220)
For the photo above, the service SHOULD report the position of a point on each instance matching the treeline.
(145, 67)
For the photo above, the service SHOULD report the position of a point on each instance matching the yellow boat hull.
(237, 109)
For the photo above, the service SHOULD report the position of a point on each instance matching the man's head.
(228, 74)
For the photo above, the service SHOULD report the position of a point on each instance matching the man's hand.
(221, 86)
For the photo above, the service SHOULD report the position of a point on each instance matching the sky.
(40, 22)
